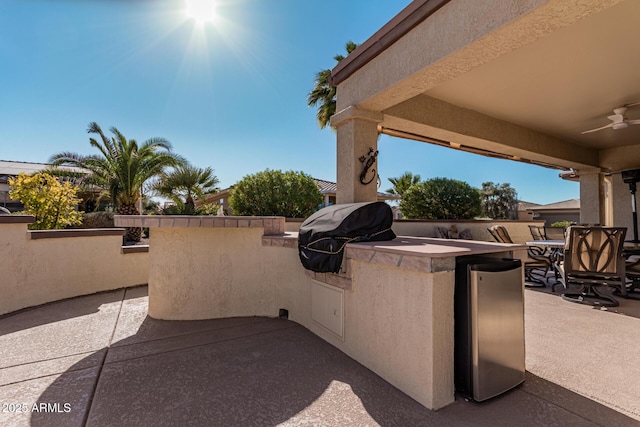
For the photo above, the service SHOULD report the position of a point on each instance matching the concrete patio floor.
(99, 360)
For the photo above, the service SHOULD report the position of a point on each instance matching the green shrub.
(207, 209)
(441, 198)
(564, 224)
(97, 220)
(273, 192)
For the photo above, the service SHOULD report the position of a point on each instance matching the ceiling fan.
(618, 120)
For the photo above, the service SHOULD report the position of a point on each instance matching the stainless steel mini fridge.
(489, 326)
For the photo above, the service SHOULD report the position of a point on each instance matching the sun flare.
(202, 11)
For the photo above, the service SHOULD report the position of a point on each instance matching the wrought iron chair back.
(500, 233)
(595, 250)
(536, 267)
(537, 232)
(593, 256)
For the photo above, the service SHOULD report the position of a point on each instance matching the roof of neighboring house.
(10, 168)
(326, 186)
(523, 206)
(572, 204)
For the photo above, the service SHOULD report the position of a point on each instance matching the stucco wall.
(211, 273)
(39, 271)
(394, 318)
(293, 224)
(398, 323)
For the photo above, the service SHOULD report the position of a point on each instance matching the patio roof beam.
(455, 146)
(463, 128)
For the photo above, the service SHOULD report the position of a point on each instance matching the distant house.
(220, 198)
(568, 210)
(10, 169)
(524, 210)
(327, 189)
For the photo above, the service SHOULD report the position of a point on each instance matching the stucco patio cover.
(517, 80)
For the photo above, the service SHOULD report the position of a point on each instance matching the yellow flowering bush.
(52, 203)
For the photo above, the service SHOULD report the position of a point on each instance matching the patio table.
(557, 244)
(631, 248)
(556, 251)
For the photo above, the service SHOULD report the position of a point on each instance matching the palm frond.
(323, 94)
(122, 166)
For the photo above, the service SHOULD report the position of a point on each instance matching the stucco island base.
(391, 308)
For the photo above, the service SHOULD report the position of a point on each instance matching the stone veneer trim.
(88, 232)
(135, 249)
(16, 219)
(273, 225)
(421, 262)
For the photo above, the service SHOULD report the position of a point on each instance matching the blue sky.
(230, 94)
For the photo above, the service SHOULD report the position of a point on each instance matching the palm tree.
(121, 168)
(323, 94)
(403, 182)
(186, 184)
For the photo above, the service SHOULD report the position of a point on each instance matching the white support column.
(357, 134)
(593, 198)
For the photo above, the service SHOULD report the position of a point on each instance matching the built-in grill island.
(390, 306)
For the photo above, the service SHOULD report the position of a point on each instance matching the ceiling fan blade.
(595, 130)
(634, 122)
(633, 104)
(616, 118)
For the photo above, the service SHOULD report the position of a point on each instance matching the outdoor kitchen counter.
(422, 254)
(391, 306)
(404, 246)
(403, 251)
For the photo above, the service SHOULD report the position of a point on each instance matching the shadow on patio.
(113, 365)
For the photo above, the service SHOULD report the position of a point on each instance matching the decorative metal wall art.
(368, 173)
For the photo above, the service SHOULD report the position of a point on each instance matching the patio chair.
(441, 232)
(554, 254)
(452, 233)
(632, 285)
(593, 257)
(633, 274)
(535, 268)
(537, 232)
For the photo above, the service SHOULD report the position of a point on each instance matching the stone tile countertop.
(413, 253)
(408, 245)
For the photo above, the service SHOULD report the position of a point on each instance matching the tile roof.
(11, 168)
(522, 205)
(326, 186)
(566, 204)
